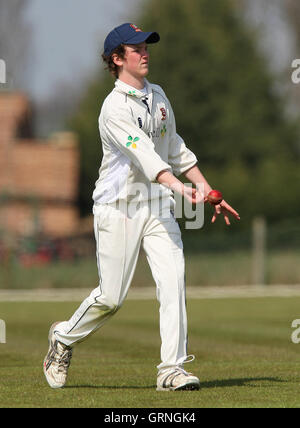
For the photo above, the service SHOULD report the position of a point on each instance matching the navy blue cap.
(128, 34)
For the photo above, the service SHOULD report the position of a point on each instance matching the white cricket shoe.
(57, 361)
(177, 379)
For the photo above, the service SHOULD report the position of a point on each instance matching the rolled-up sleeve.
(135, 144)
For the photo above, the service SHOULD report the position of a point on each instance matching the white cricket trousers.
(120, 231)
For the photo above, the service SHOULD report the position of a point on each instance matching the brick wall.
(26, 219)
(36, 173)
(47, 170)
(13, 109)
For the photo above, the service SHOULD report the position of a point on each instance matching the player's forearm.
(167, 179)
(195, 176)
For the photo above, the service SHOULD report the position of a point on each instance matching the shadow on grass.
(110, 386)
(238, 382)
(210, 384)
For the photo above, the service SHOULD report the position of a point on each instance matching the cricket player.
(133, 207)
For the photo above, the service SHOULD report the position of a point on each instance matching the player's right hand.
(194, 196)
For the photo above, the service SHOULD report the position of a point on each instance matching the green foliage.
(225, 104)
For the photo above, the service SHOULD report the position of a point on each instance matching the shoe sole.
(191, 386)
(53, 386)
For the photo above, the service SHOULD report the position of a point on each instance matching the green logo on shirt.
(131, 142)
(163, 131)
(132, 93)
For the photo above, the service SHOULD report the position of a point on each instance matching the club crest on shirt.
(163, 113)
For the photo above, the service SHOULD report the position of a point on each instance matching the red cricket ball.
(215, 197)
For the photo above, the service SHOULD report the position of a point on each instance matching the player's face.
(136, 60)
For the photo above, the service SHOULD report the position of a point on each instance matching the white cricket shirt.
(139, 140)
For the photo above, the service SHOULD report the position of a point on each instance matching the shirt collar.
(131, 91)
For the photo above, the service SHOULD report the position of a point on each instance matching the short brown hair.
(111, 66)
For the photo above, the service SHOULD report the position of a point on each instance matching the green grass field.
(244, 356)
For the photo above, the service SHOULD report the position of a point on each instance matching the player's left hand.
(226, 210)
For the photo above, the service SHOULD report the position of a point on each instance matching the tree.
(293, 10)
(85, 124)
(225, 105)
